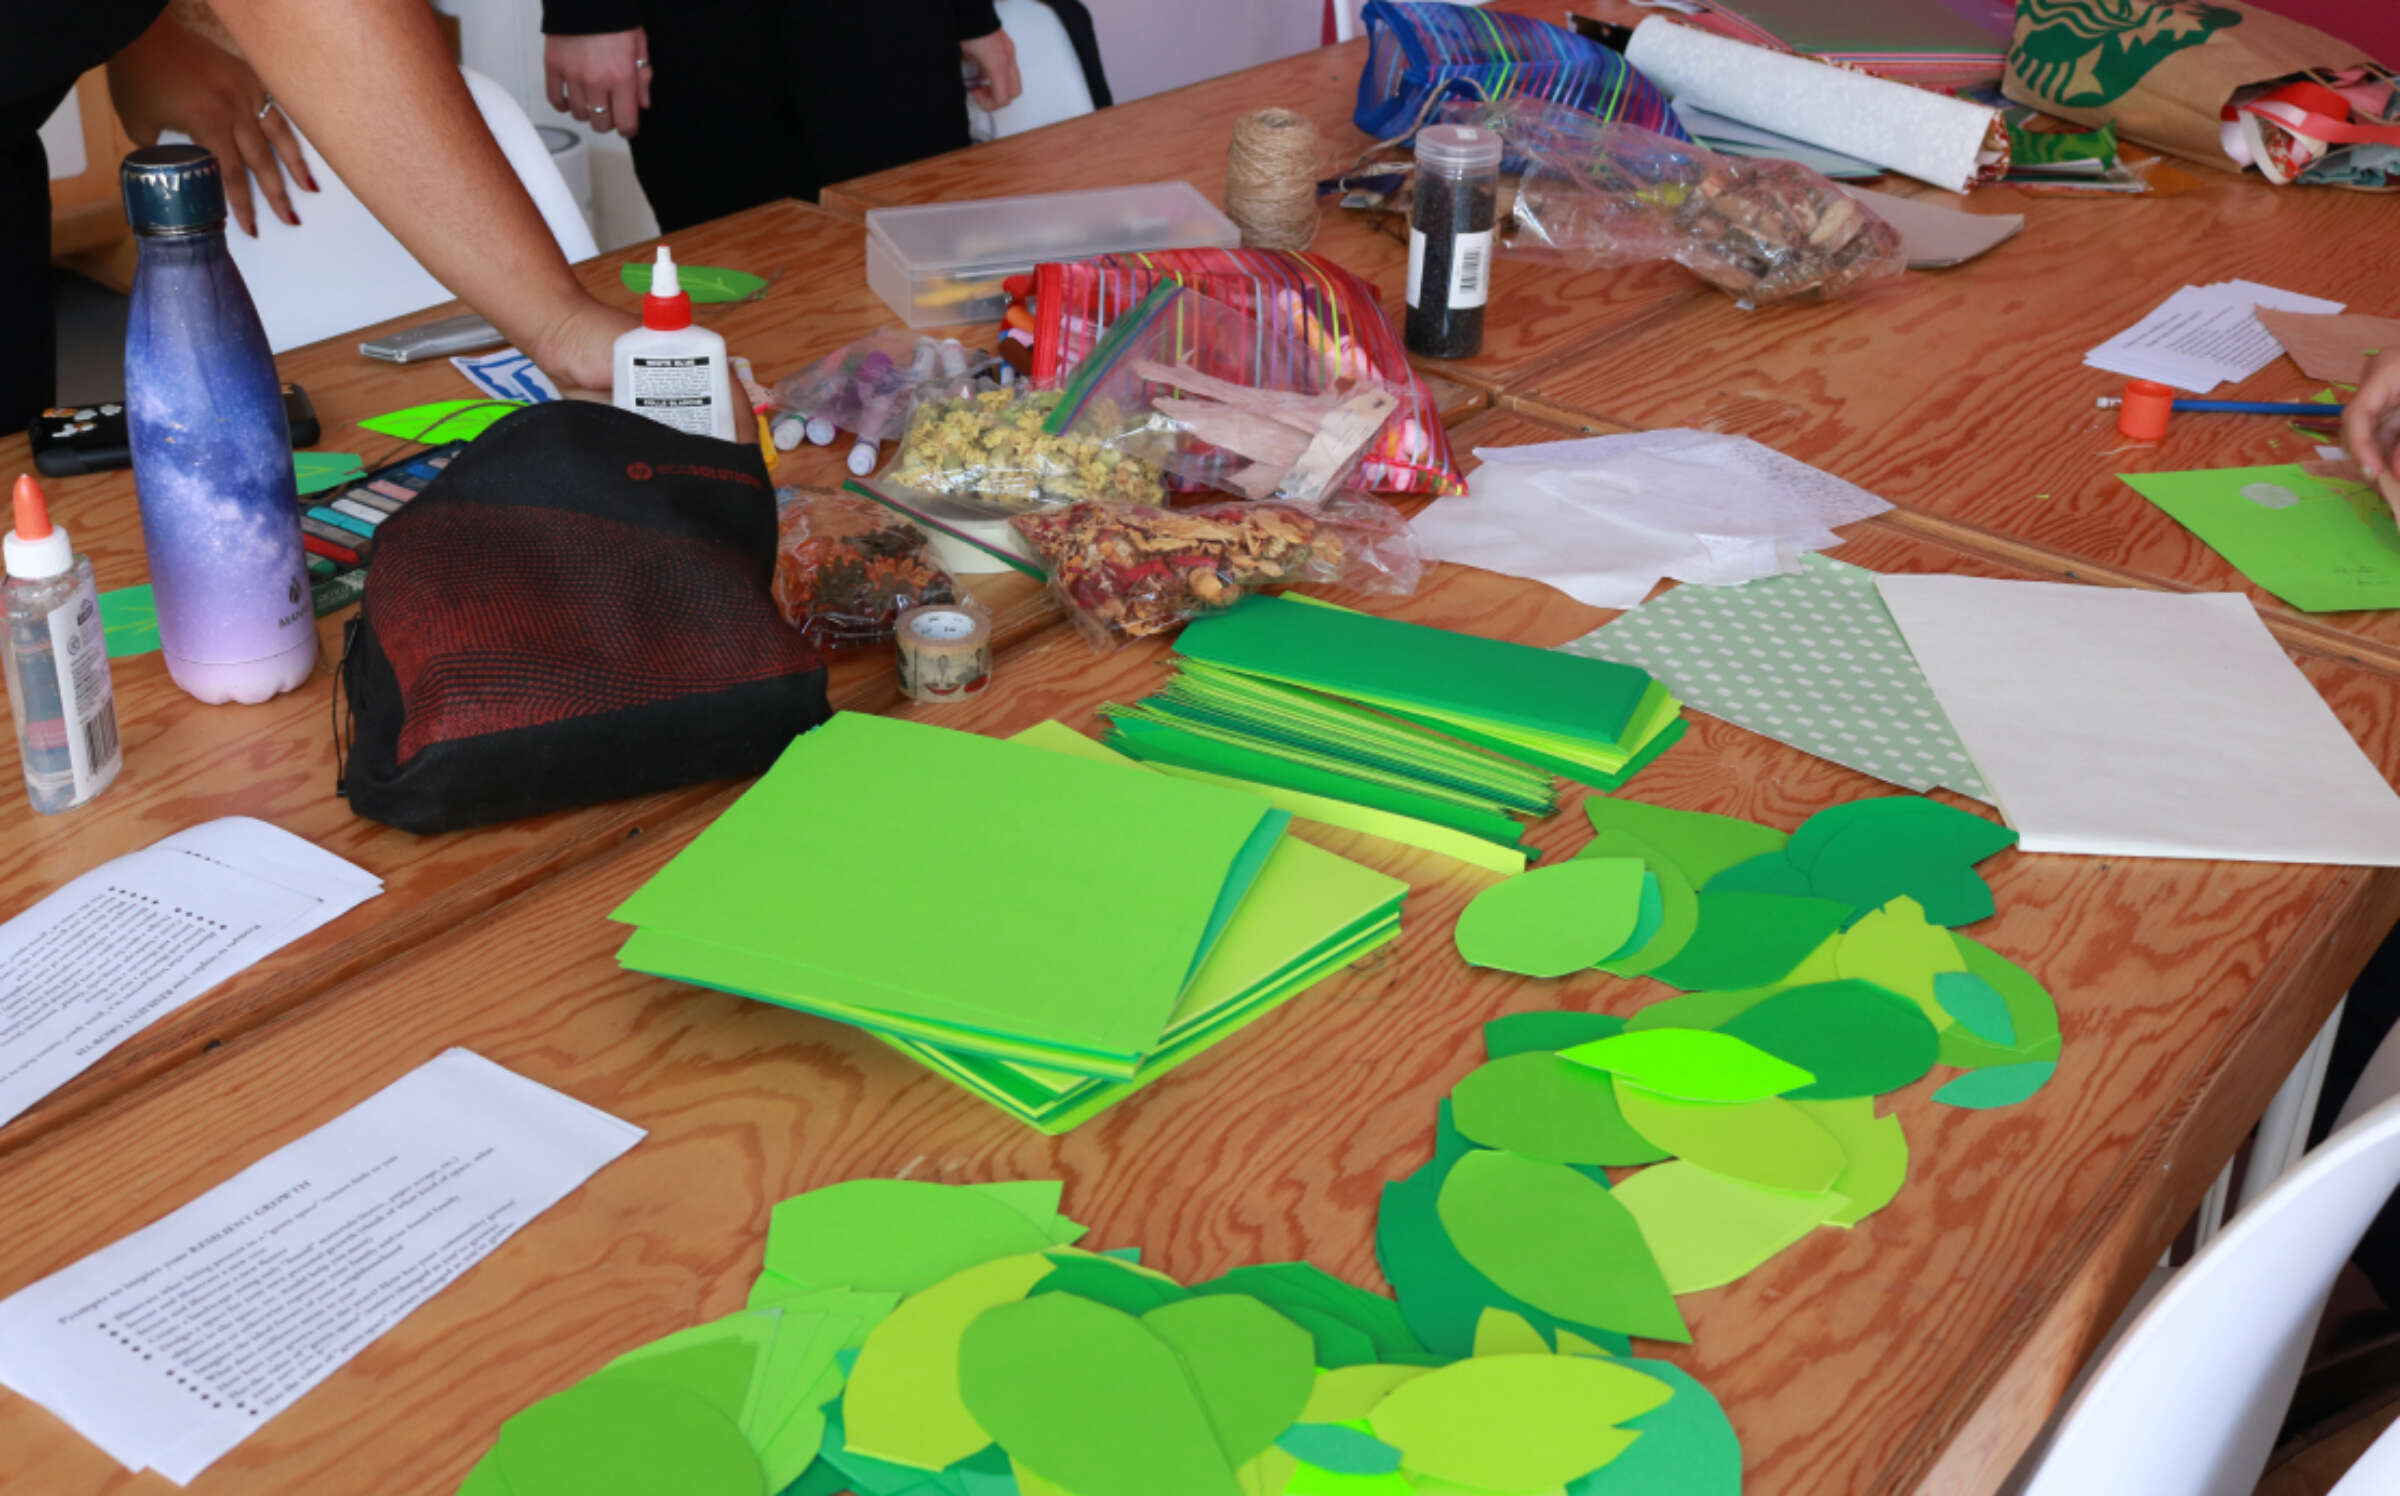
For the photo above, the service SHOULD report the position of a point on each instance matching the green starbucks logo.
(2084, 52)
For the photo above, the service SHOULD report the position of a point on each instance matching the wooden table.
(1537, 314)
(185, 762)
(1917, 1353)
(1962, 395)
(1906, 1355)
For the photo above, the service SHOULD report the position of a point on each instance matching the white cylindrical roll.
(1929, 136)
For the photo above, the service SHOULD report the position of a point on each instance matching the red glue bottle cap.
(667, 308)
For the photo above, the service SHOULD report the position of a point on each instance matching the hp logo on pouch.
(639, 472)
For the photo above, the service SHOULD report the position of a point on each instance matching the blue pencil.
(2240, 407)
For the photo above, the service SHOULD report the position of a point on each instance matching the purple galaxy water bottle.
(212, 453)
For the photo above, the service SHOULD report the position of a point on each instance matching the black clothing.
(753, 100)
(38, 69)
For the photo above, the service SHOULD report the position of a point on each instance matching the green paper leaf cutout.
(626, 1436)
(1874, 1154)
(1902, 820)
(1556, 1239)
(1861, 867)
(1769, 1143)
(1308, 1480)
(712, 1365)
(1547, 1108)
(1500, 1333)
(314, 472)
(703, 283)
(1977, 1005)
(1708, 1230)
(1687, 1446)
(1699, 1010)
(129, 621)
(1898, 950)
(1700, 845)
(1750, 940)
(902, 1403)
(1091, 1400)
(2001, 1085)
(443, 420)
(485, 1478)
(1553, 921)
(1772, 873)
(1692, 1064)
(896, 1235)
(1105, 1280)
(1252, 1366)
(1294, 1288)
(1345, 1451)
(1550, 1030)
(1855, 1037)
(2032, 1014)
(1670, 908)
(1443, 1295)
(1353, 1391)
(1516, 1423)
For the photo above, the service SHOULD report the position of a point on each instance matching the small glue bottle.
(58, 686)
(671, 371)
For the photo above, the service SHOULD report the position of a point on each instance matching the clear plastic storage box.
(944, 262)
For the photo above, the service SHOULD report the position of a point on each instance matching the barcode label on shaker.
(1470, 269)
(100, 738)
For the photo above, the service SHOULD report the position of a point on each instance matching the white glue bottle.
(671, 371)
(58, 686)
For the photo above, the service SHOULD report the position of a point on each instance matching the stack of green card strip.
(1443, 729)
(1043, 921)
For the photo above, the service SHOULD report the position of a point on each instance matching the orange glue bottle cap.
(2147, 406)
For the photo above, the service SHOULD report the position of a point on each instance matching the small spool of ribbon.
(1271, 179)
(945, 652)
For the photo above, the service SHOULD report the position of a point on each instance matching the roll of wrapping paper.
(945, 652)
(1932, 137)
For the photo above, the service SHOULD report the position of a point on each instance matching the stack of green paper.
(1308, 914)
(1108, 924)
(1439, 734)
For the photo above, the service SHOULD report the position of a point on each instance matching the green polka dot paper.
(1811, 659)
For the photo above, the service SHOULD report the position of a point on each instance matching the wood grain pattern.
(1850, 1364)
(1537, 312)
(185, 762)
(1962, 395)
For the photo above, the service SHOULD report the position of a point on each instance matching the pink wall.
(2370, 25)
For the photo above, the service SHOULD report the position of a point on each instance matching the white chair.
(2377, 1472)
(1346, 23)
(1053, 75)
(341, 269)
(2189, 1401)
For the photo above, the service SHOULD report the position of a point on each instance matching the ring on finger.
(266, 106)
(640, 63)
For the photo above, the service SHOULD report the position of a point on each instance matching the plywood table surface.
(1914, 1353)
(1537, 312)
(186, 762)
(1962, 395)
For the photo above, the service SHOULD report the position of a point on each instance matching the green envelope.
(970, 892)
(1309, 914)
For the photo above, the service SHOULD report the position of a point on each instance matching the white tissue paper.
(1932, 137)
(1606, 518)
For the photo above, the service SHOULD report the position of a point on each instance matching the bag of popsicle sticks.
(1287, 299)
(2225, 84)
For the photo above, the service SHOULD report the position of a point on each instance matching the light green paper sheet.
(1345, 816)
(2320, 545)
(443, 420)
(818, 891)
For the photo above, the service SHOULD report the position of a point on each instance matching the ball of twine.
(1271, 179)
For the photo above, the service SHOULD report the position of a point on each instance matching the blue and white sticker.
(507, 375)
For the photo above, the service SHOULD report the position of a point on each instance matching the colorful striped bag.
(1422, 56)
(1333, 312)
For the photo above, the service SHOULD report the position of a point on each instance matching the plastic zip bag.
(846, 568)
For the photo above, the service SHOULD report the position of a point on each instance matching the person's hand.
(2371, 425)
(173, 78)
(995, 58)
(603, 80)
(579, 349)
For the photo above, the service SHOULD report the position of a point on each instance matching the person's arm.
(2371, 425)
(173, 78)
(984, 44)
(415, 151)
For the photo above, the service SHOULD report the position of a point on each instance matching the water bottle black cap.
(173, 189)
